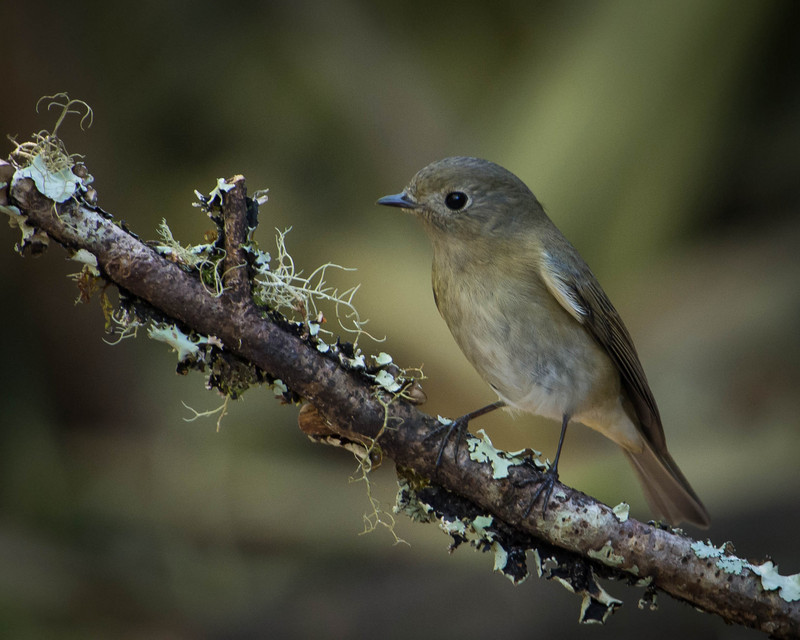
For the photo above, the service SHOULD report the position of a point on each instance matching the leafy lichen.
(788, 587)
(482, 450)
(606, 555)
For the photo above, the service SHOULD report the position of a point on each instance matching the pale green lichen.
(223, 186)
(537, 562)
(568, 586)
(58, 186)
(788, 586)
(728, 563)
(622, 511)
(357, 362)
(500, 557)
(391, 381)
(590, 604)
(481, 525)
(649, 599)
(322, 347)
(482, 450)
(45, 158)
(279, 387)
(453, 527)
(704, 550)
(261, 196)
(388, 381)
(643, 582)
(88, 259)
(606, 555)
(597, 603)
(406, 502)
(732, 564)
(30, 234)
(477, 531)
(482, 532)
(184, 345)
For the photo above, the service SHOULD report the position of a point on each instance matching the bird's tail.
(667, 490)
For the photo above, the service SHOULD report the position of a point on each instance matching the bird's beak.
(402, 200)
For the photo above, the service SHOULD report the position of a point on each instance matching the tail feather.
(667, 490)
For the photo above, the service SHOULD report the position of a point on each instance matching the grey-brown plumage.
(530, 316)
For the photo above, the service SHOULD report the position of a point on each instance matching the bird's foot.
(547, 481)
(457, 428)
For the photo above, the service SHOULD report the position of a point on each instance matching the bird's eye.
(456, 200)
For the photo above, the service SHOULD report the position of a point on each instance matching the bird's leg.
(459, 427)
(550, 476)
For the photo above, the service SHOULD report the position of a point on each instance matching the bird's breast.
(535, 355)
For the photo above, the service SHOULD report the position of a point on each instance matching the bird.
(532, 319)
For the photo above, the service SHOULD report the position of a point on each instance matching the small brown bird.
(530, 316)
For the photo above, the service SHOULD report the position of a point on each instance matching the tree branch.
(578, 539)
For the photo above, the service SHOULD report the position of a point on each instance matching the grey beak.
(398, 200)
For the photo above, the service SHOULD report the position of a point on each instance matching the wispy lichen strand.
(45, 158)
(280, 285)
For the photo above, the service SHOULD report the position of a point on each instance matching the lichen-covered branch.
(482, 497)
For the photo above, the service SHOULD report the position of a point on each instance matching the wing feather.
(577, 290)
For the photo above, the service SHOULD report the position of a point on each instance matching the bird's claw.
(547, 482)
(457, 427)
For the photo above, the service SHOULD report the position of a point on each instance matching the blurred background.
(663, 139)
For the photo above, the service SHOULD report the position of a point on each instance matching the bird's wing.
(577, 290)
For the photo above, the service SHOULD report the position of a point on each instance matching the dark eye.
(456, 200)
